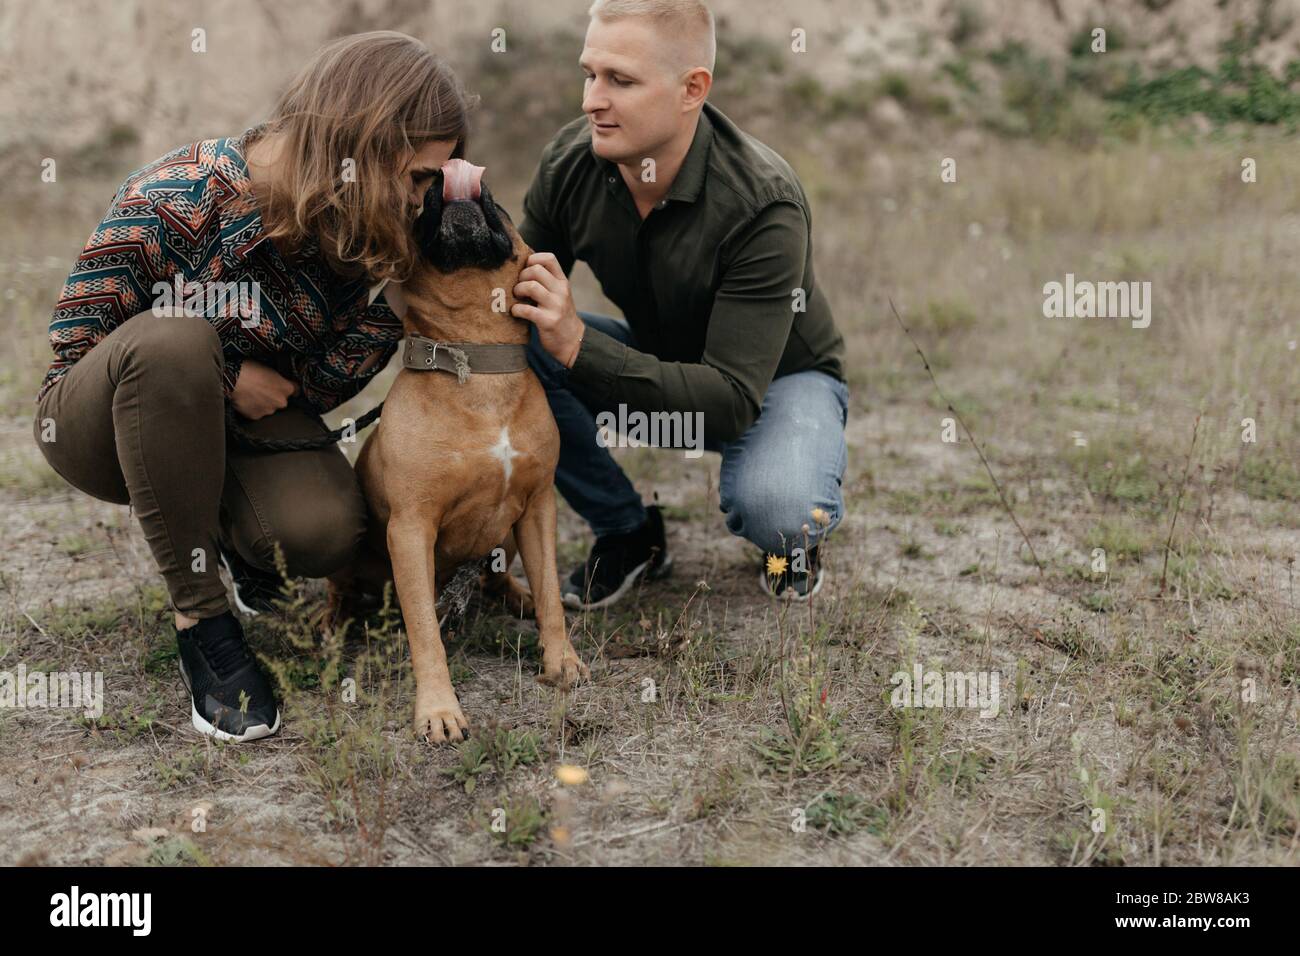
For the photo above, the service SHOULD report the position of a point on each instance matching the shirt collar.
(690, 178)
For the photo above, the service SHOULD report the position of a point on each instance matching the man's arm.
(748, 329)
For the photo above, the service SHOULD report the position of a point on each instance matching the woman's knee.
(170, 344)
(316, 541)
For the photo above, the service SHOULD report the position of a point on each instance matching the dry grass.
(714, 718)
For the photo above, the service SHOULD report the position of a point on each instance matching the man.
(702, 236)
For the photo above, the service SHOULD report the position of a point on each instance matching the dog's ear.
(502, 245)
(429, 221)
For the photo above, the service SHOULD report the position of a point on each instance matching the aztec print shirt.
(190, 216)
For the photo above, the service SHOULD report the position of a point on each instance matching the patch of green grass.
(75, 544)
(498, 751)
(949, 529)
(178, 851)
(516, 822)
(161, 661)
(842, 814)
(1269, 478)
(1278, 786)
(720, 791)
(974, 494)
(1116, 470)
(1238, 91)
(960, 72)
(1067, 635)
(124, 723)
(1099, 602)
(1190, 574)
(183, 768)
(963, 770)
(822, 748)
(1121, 539)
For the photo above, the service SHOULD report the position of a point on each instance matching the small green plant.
(178, 851)
(182, 769)
(499, 750)
(844, 814)
(516, 822)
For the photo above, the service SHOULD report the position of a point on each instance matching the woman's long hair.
(369, 98)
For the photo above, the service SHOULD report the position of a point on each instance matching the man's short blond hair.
(688, 22)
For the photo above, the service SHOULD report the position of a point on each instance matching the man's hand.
(260, 390)
(558, 325)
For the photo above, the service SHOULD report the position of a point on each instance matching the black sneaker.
(617, 561)
(255, 590)
(789, 584)
(230, 697)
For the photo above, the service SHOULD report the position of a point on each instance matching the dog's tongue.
(461, 180)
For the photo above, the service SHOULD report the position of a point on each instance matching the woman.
(307, 214)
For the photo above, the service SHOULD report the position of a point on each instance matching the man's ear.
(502, 244)
(429, 221)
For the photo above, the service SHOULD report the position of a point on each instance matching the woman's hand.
(260, 390)
(559, 328)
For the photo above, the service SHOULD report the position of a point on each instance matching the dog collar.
(462, 359)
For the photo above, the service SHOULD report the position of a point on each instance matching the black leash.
(236, 435)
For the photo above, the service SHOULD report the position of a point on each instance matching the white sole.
(256, 732)
(574, 601)
(203, 726)
(243, 608)
(790, 594)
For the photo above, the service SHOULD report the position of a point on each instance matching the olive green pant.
(140, 420)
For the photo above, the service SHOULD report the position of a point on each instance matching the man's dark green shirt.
(716, 282)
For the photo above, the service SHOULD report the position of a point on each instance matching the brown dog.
(461, 464)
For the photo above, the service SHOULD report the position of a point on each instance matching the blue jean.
(790, 461)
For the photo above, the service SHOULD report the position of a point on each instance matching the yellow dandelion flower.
(821, 517)
(776, 565)
(570, 776)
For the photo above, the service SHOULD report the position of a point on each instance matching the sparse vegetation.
(715, 718)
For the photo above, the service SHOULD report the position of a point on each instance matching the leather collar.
(462, 359)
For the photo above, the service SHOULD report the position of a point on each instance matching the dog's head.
(470, 257)
(460, 225)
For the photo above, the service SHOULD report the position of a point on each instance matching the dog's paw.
(516, 599)
(519, 603)
(563, 669)
(440, 720)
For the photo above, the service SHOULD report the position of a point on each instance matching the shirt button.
(661, 203)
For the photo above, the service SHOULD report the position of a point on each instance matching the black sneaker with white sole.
(791, 584)
(616, 562)
(255, 590)
(230, 697)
